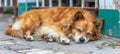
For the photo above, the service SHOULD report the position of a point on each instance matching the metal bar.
(43, 3)
(114, 4)
(96, 3)
(104, 4)
(0, 3)
(59, 3)
(37, 3)
(83, 3)
(50, 3)
(71, 3)
(11, 2)
(5, 3)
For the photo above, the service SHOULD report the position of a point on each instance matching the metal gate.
(33, 4)
(69, 2)
(91, 5)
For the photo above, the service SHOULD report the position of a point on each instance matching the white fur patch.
(16, 26)
(65, 39)
(46, 31)
(30, 37)
(77, 37)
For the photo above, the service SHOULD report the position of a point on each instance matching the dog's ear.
(78, 16)
(99, 24)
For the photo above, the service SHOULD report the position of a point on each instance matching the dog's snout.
(81, 40)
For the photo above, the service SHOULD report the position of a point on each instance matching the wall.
(23, 6)
(106, 4)
(111, 22)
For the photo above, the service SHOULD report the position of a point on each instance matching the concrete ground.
(10, 45)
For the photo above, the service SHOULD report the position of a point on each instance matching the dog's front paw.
(29, 38)
(49, 39)
(64, 41)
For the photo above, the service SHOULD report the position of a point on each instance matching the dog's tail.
(14, 33)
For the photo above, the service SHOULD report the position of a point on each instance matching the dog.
(55, 24)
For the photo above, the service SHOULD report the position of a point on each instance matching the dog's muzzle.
(79, 40)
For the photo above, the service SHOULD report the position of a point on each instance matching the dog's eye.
(89, 33)
(79, 30)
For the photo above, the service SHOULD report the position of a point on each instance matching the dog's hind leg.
(28, 36)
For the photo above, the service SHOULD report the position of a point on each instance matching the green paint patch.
(23, 7)
(111, 19)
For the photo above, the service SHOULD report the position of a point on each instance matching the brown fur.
(61, 20)
(14, 33)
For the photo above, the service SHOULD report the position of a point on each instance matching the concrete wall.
(106, 4)
(117, 4)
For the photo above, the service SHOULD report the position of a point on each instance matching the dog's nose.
(81, 40)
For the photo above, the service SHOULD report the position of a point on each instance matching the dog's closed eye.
(89, 33)
(79, 30)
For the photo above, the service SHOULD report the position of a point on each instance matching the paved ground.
(10, 45)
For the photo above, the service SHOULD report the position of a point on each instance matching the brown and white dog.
(56, 23)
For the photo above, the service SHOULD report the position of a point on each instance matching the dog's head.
(84, 30)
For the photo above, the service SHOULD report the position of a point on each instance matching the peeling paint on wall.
(110, 32)
(119, 17)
